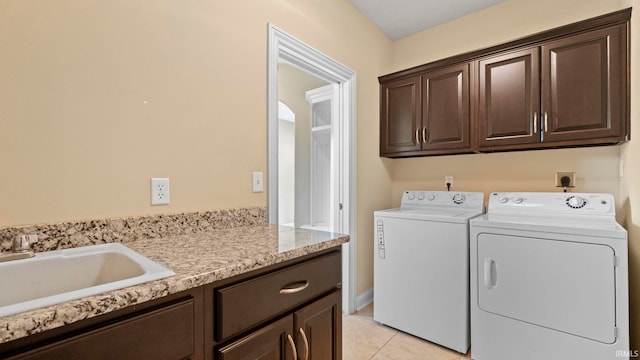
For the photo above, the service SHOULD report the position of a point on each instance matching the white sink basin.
(56, 276)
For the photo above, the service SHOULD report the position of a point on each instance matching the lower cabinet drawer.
(163, 334)
(241, 306)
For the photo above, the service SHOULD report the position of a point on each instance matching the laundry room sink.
(56, 276)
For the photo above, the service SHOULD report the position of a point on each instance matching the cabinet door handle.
(306, 343)
(417, 136)
(424, 135)
(545, 122)
(295, 287)
(535, 122)
(293, 347)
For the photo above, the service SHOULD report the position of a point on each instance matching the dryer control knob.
(458, 198)
(503, 199)
(431, 197)
(518, 200)
(411, 196)
(576, 202)
(421, 197)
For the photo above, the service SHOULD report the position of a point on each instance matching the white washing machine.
(549, 278)
(421, 265)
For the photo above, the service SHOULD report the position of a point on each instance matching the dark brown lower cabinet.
(292, 312)
(312, 331)
(171, 331)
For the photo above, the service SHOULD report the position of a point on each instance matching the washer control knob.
(503, 199)
(411, 196)
(431, 197)
(458, 198)
(421, 197)
(518, 200)
(576, 202)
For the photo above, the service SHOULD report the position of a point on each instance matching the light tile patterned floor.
(364, 339)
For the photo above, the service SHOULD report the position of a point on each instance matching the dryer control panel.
(552, 203)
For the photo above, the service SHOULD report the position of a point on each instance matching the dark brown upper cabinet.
(426, 114)
(400, 116)
(584, 87)
(564, 87)
(575, 97)
(509, 99)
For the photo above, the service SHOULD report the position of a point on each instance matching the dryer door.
(561, 285)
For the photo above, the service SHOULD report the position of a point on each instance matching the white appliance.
(421, 265)
(549, 278)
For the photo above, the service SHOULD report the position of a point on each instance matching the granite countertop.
(197, 259)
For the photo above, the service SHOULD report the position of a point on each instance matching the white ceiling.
(400, 18)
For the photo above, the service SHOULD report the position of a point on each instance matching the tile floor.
(364, 339)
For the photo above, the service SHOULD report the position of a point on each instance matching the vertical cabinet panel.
(445, 104)
(400, 116)
(583, 86)
(509, 99)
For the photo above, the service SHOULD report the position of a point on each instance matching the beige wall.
(99, 96)
(597, 168)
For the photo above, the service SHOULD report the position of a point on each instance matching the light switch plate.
(257, 181)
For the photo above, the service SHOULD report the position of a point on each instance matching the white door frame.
(284, 47)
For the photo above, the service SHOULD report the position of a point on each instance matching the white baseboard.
(364, 299)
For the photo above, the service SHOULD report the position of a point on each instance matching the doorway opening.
(321, 171)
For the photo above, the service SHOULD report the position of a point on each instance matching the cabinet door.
(400, 116)
(584, 86)
(166, 333)
(272, 342)
(445, 108)
(509, 100)
(318, 329)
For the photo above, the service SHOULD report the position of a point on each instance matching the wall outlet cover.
(159, 191)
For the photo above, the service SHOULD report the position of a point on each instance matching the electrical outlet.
(159, 191)
(448, 180)
(571, 175)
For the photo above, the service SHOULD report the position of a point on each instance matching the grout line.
(385, 344)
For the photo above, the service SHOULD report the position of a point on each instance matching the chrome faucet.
(20, 248)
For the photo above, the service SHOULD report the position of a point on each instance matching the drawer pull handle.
(295, 287)
(293, 347)
(417, 136)
(306, 343)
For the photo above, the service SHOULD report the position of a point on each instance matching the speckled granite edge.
(209, 257)
(91, 232)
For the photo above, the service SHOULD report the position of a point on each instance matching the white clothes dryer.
(549, 278)
(421, 265)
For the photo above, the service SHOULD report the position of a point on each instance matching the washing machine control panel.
(570, 203)
(442, 198)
